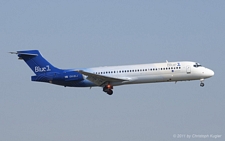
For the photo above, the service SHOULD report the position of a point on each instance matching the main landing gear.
(108, 89)
(202, 84)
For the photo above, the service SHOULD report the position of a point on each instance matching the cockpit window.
(197, 65)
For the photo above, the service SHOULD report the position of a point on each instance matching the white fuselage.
(152, 73)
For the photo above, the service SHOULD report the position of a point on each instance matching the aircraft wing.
(100, 79)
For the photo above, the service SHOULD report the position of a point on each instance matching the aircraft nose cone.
(210, 73)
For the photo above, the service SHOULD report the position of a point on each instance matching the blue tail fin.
(36, 62)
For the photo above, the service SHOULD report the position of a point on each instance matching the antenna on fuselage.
(167, 61)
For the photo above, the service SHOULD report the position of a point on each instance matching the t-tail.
(36, 62)
(46, 72)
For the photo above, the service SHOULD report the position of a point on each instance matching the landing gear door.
(188, 69)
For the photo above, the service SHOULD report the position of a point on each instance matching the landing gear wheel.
(110, 92)
(202, 84)
(108, 89)
(105, 89)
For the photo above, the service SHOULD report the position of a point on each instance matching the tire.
(110, 92)
(202, 84)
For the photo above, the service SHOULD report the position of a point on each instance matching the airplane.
(109, 76)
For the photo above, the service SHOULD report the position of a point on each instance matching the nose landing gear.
(108, 89)
(202, 84)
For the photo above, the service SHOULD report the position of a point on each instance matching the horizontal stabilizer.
(25, 54)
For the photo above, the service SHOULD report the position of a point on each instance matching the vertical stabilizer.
(36, 62)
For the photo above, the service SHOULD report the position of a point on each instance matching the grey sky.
(73, 34)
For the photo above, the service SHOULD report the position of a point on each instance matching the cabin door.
(188, 69)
